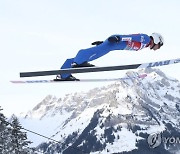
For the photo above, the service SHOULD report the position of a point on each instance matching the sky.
(40, 35)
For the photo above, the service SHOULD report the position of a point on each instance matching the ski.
(99, 69)
(81, 80)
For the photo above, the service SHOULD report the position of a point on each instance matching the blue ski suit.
(124, 42)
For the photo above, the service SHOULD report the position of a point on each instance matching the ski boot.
(85, 64)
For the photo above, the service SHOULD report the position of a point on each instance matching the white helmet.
(158, 39)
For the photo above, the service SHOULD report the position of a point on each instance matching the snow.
(77, 124)
(122, 109)
(46, 126)
(126, 142)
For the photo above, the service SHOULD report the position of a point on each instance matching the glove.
(97, 43)
(114, 39)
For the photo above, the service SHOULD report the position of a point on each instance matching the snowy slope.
(112, 119)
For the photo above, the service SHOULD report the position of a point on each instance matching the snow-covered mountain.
(117, 118)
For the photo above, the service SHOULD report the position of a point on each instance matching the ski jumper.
(126, 42)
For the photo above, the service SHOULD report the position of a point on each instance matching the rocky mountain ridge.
(112, 119)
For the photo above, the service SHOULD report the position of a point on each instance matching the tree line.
(12, 139)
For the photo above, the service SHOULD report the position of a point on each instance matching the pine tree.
(4, 134)
(19, 142)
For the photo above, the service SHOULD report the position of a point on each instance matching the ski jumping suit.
(126, 42)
